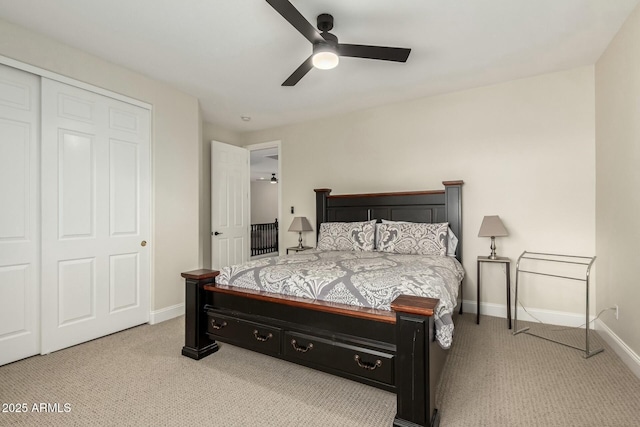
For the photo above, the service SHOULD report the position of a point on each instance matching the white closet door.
(96, 214)
(19, 221)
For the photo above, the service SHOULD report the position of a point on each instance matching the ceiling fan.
(326, 49)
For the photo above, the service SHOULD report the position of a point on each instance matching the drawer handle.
(215, 325)
(366, 365)
(262, 338)
(301, 348)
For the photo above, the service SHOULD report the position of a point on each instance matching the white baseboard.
(166, 313)
(493, 310)
(628, 356)
(545, 316)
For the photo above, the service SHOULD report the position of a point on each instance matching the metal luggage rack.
(562, 259)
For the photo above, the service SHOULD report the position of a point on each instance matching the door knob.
(216, 233)
(143, 243)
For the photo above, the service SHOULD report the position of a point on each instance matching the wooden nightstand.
(297, 249)
(498, 260)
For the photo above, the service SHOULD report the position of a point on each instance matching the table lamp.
(492, 227)
(300, 224)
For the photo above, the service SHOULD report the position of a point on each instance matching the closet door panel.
(19, 227)
(96, 194)
(14, 300)
(76, 185)
(15, 153)
(124, 184)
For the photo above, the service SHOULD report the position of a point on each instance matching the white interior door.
(96, 213)
(19, 220)
(229, 204)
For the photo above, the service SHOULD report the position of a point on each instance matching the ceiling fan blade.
(384, 53)
(291, 14)
(299, 73)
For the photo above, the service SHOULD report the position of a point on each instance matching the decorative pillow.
(413, 238)
(346, 236)
(452, 242)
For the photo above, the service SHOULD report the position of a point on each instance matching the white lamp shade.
(492, 227)
(300, 223)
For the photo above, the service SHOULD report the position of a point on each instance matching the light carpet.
(138, 378)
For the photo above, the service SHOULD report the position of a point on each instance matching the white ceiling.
(234, 54)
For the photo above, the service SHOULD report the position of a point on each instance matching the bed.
(390, 345)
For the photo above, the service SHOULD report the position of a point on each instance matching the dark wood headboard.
(415, 206)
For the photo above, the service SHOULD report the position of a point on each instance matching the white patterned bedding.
(365, 279)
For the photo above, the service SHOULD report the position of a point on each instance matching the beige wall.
(264, 202)
(524, 148)
(617, 76)
(175, 150)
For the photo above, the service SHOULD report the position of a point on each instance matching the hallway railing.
(264, 238)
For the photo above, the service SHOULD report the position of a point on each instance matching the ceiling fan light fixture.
(326, 48)
(325, 57)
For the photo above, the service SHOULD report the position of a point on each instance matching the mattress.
(365, 279)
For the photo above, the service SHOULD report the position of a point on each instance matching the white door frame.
(72, 82)
(261, 146)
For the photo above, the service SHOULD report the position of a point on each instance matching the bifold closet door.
(95, 215)
(19, 221)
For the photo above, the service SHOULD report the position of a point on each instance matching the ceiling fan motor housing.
(325, 22)
(330, 42)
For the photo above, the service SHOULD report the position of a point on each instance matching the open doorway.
(264, 190)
